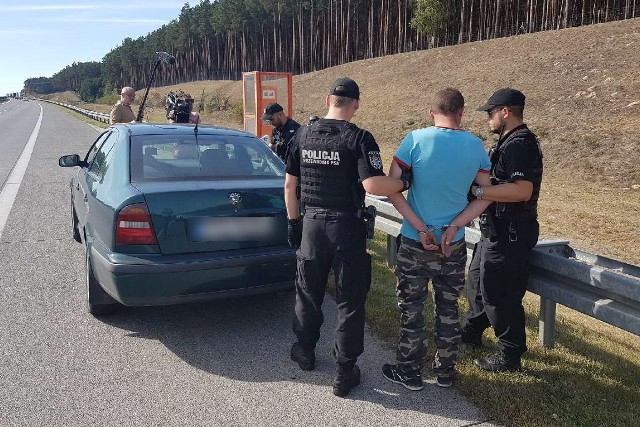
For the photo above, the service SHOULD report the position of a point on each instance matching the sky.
(41, 37)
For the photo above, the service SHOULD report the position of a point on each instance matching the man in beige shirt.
(121, 112)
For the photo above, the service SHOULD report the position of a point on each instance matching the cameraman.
(178, 106)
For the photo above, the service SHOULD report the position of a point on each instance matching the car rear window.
(183, 158)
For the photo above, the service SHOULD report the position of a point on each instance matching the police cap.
(505, 97)
(270, 110)
(345, 87)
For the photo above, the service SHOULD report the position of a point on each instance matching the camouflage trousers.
(414, 268)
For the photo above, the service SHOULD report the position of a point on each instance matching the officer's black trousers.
(332, 240)
(497, 282)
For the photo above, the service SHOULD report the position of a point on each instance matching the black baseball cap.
(345, 87)
(270, 110)
(506, 97)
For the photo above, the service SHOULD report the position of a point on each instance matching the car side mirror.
(69, 161)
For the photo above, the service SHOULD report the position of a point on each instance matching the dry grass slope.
(583, 100)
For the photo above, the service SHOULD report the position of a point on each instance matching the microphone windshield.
(166, 58)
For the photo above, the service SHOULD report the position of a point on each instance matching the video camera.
(178, 106)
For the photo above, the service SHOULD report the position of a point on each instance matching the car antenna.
(200, 109)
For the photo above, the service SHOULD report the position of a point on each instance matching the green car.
(172, 213)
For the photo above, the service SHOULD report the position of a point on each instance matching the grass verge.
(84, 118)
(590, 378)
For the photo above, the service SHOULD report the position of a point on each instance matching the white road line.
(12, 185)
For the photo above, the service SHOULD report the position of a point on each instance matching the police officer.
(284, 128)
(335, 162)
(499, 269)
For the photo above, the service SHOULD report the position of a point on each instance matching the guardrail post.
(392, 250)
(547, 323)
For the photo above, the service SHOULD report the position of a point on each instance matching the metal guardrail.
(597, 286)
(101, 117)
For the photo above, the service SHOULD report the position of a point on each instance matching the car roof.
(136, 129)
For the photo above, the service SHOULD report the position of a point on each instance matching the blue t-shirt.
(444, 163)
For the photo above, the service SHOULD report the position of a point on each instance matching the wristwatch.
(479, 192)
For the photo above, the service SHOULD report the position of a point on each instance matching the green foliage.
(108, 99)
(430, 16)
(237, 112)
(108, 88)
(156, 99)
(41, 85)
(91, 89)
(218, 101)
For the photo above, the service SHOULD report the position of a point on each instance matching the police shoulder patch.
(375, 159)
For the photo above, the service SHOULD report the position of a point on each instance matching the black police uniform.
(280, 138)
(330, 159)
(499, 269)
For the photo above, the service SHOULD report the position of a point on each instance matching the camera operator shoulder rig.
(178, 106)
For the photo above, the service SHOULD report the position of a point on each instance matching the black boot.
(304, 358)
(347, 378)
(471, 337)
(499, 363)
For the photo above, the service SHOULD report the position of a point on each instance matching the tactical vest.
(517, 210)
(328, 169)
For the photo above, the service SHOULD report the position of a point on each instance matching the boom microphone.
(166, 58)
(162, 57)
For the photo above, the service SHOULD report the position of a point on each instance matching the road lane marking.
(12, 184)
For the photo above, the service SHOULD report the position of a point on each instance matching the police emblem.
(235, 199)
(375, 159)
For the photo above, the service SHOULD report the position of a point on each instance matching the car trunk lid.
(216, 215)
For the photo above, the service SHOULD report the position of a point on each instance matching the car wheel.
(98, 301)
(74, 224)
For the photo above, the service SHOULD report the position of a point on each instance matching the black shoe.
(305, 359)
(498, 363)
(445, 381)
(395, 374)
(346, 379)
(469, 336)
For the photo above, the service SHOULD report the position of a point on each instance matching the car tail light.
(134, 226)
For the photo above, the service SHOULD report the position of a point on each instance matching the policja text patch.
(321, 157)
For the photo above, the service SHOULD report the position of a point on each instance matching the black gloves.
(406, 177)
(294, 232)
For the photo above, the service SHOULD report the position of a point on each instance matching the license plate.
(231, 228)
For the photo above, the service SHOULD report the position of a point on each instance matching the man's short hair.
(341, 101)
(517, 111)
(447, 101)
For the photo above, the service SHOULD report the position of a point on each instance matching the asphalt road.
(216, 364)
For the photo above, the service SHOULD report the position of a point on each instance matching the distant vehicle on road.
(173, 213)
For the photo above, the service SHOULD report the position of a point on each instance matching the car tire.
(74, 224)
(98, 301)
